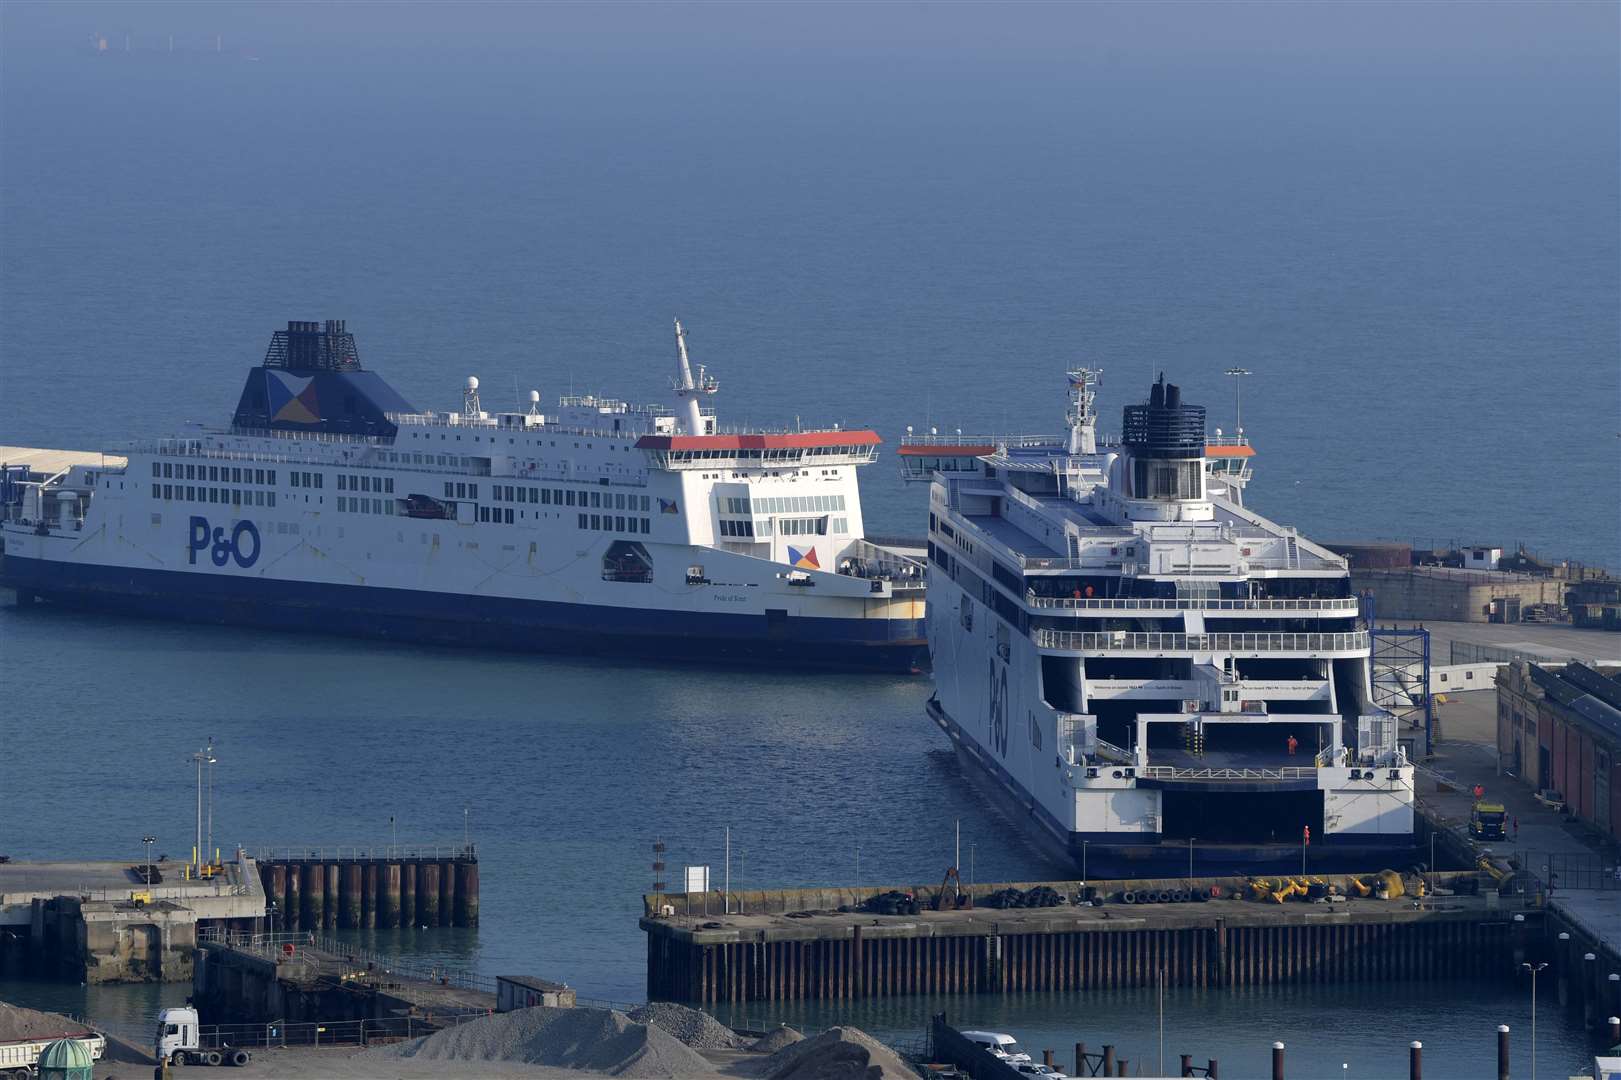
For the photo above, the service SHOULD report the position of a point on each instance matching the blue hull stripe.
(484, 622)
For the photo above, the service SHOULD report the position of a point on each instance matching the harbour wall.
(819, 953)
(350, 889)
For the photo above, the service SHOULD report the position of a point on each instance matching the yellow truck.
(1488, 821)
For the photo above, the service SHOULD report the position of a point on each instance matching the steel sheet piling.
(388, 900)
(408, 893)
(350, 897)
(447, 893)
(368, 896)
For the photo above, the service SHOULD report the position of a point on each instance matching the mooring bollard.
(1502, 1052)
(1415, 1060)
(1277, 1061)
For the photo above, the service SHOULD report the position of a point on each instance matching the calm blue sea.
(1404, 221)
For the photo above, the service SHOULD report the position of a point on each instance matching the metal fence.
(1343, 606)
(279, 1033)
(357, 852)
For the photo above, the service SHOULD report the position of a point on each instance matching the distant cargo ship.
(331, 504)
(1151, 678)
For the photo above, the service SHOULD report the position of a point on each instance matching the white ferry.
(331, 504)
(1152, 678)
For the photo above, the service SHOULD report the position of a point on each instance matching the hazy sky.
(1429, 33)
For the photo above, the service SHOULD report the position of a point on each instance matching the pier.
(303, 977)
(349, 887)
(797, 945)
(103, 921)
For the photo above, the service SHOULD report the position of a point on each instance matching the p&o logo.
(242, 544)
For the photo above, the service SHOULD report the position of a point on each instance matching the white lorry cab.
(998, 1044)
(180, 1042)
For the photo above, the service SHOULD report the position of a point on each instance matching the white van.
(998, 1044)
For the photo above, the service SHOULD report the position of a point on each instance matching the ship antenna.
(1083, 391)
(686, 387)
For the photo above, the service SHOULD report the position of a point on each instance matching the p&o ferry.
(330, 503)
(1149, 677)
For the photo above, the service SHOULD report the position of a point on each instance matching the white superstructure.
(332, 504)
(1147, 670)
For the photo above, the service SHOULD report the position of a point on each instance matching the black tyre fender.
(1128, 897)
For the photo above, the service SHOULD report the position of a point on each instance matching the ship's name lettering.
(998, 711)
(730, 598)
(240, 543)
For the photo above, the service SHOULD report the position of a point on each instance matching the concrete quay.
(97, 921)
(795, 944)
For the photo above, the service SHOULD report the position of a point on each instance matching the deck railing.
(1348, 605)
(1123, 641)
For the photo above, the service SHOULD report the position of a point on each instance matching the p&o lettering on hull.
(241, 545)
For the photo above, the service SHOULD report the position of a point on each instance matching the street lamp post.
(1534, 971)
(149, 840)
(201, 758)
(1190, 858)
(1083, 860)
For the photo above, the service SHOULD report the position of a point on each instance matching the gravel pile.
(841, 1053)
(597, 1039)
(697, 1029)
(773, 1041)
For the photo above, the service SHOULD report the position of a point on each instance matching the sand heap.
(17, 1022)
(582, 1038)
(840, 1053)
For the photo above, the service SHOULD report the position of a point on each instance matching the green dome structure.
(66, 1059)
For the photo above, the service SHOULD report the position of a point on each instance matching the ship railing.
(1126, 641)
(1348, 605)
(1173, 772)
(1022, 441)
(863, 559)
(264, 457)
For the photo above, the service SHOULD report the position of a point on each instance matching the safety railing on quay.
(278, 1034)
(1127, 641)
(459, 850)
(292, 946)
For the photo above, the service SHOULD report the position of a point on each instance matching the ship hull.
(1105, 856)
(502, 623)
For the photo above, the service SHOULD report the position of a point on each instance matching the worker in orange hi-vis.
(1293, 743)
